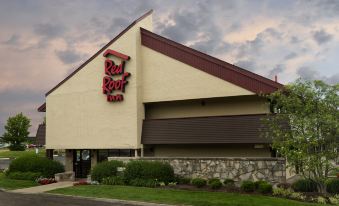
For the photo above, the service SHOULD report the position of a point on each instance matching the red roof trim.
(115, 53)
(101, 50)
(209, 64)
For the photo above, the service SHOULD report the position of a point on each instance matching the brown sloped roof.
(211, 65)
(204, 130)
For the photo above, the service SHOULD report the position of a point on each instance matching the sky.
(42, 41)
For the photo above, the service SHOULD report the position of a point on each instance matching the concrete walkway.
(43, 188)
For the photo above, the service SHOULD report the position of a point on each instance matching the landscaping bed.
(160, 175)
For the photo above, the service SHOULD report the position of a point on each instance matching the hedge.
(105, 169)
(149, 170)
(34, 163)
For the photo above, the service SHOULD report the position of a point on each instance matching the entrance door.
(81, 162)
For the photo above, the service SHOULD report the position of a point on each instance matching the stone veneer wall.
(270, 169)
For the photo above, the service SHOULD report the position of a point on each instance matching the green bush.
(20, 147)
(229, 182)
(257, 183)
(24, 175)
(105, 169)
(284, 185)
(247, 186)
(199, 182)
(265, 188)
(304, 185)
(138, 182)
(183, 180)
(114, 180)
(332, 186)
(155, 170)
(34, 163)
(215, 183)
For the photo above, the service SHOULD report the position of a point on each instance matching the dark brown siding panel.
(41, 135)
(209, 64)
(42, 108)
(204, 130)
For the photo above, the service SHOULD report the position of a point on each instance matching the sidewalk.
(43, 188)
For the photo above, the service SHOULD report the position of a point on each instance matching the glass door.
(81, 163)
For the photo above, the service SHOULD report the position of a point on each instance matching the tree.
(304, 128)
(16, 132)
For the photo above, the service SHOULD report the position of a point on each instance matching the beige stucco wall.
(212, 107)
(166, 79)
(231, 150)
(78, 114)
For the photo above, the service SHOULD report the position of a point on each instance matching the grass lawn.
(198, 198)
(10, 184)
(5, 153)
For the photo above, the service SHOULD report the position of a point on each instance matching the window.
(103, 154)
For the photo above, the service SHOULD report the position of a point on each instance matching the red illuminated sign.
(116, 77)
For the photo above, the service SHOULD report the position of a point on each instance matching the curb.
(5, 158)
(127, 202)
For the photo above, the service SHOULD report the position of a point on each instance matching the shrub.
(114, 180)
(247, 186)
(334, 200)
(19, 147)
(332, 186)
(297, 196)
(138, 182)
(24, 175)
(183, 180)
(155, 170)
(35, 163)
(257, 183)
(199, 182)
(304, 185)
(321, 200)
(265, 188)
(215, 183)
(105, 169)
(284, 185)
(229, 182)
(282, 192)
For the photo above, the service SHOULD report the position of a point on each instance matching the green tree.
(304, 128)
(16, 132)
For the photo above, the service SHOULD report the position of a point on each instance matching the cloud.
(49, 30)
(322, 37)
(13, 40)
(310, 74)
(117, 25)
(68, 56)
(247, 64)
(291, 55)
(13, 102)
(276, 70)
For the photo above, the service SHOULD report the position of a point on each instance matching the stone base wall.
(269, 169)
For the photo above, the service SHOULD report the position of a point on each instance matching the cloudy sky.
(41, 41)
